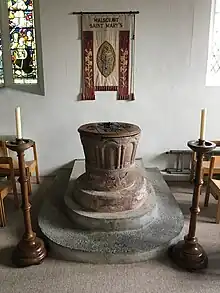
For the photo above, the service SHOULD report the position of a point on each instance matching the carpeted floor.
(55, 276)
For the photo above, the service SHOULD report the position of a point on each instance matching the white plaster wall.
(171, 57)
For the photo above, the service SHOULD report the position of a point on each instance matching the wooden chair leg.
(29, 186)
(207, 195)
(37, 174)
(15, 193)
(218, 212)
(2, 213)
(192, 172)
(36, 164)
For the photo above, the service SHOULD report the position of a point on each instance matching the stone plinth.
(125, 237)
(111, 181)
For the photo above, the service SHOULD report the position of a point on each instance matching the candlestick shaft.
(25, 201)
(196, 197)
(18, 122)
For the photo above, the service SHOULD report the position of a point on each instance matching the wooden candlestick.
(188, 253)
(30, 250)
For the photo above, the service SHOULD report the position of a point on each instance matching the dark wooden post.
(30, 250)
(188, 253)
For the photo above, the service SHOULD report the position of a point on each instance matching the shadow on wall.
(160, 161)
(166, 160)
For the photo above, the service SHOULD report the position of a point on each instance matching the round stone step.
(116, 221)
(113, 200)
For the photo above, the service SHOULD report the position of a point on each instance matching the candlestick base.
(189, 255)
(29, 252)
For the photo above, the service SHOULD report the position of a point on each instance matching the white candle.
(18, 122)
(203, 123)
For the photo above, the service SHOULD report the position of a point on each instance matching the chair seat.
(5, 188)
(206, 165)
(216, 182)
(215, 188)
(28, 164)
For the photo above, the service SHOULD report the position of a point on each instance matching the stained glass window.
(213, 72)
(1, 62)
(22, 41)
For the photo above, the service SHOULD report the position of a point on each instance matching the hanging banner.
(108, 55)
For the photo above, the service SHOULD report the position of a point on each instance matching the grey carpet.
(55, 276)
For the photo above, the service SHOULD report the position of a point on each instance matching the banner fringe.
(106, 88)
(85, 97)
(132, 97)
(129, 97)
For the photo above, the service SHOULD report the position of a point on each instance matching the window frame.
(211, 81)
(37, 88)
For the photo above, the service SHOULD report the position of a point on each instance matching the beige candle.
(203, 124)
(18, 122)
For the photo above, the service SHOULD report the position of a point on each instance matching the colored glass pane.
(1, 62)
(22, 41)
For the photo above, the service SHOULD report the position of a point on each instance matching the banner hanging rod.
(99, 12)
